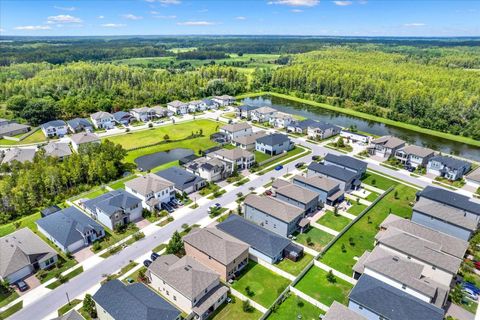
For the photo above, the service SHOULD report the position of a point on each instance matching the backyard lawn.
(296, 308)
(316, 285)
(234, 310)
(318, 238)
(356, 209)
(294, 268)
(331, 221)
(121, 183)
(28, 221)
(260, 156)
(35, 137)
(372, 196)
(265, 285)
(378, 181)
(360, 236)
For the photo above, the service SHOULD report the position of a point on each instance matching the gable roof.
(260, 239)
(333, 171)
(84, 137)
(247, 107)
(273, 139)
(273, 207)
(265, 110)
(346, 161)
(249, 138)
(53, 123)
(451, 162)
(322, 125)
(186, 275)
(148, 183)
(451, 198)
(235, 127)
(119, 115)
(474, 175)
(318, 182)
(177, 104)
(421, 152)
(392, 303)
(79, 123)
(207, 164)
(233, 154)
(208, 102)
(338, 311)
(19, 154)
(296, 192)
(71, 315)
(180, 177)
(9, 127)
(112, 202)
(100, 115)
(57, 149)
(389, 142)
(134, 301)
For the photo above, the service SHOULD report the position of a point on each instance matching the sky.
(253, 17)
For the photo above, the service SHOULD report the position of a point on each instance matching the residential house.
(161, 112)
(298, 196)
(328, 190)
(414, 156)
(374, 299)
(281, 120)
(448, 167)
(347, 163)
(115, 208)
(338, 311)
(79, 124)
(10, 129)
(83, 138)
(322, 130)
(123, 118)
(447, 212)
(224, 100)
(210, 104)
(273, 144)
(54, 128)
(248, 142)
(103, 120)
(217, 250)
(236, 130)
(60, 150)
(264, 244)
(23, 253)
(473, 178)
(70, 315)
(197, 106)
(274, 215)
(210, 169)
(385, 147)
(245, 111)
(118, 301)
(262, 114)
(143, 114)
(49, 210)
(183, 180)
(177, 107)
(347, 179)
(301, 127)
(235, 158)
(153, 190)
(70, 229)
(188, 284)
(354, 136)
(18, 154)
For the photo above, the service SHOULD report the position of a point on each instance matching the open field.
(377, 181)
(35, 137)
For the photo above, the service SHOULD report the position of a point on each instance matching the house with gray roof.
(210, 104)
(118, 301)
(298, 196)
(196, 106)
(23, 253)
(280, 119)
(103, 120)
(236, 130)
(70, 229)
(245, 111)
(10, 129)
(328, 190)
(71, 315)
(322, 130)
(263, 114)
(217, 250)
(153, 190)
(248, 142)
(143, 114)
(224, 100)
(385, 147)
(59, 150)
(414, 156)
(234, 158)
(346, 162)
(273, 144)
(301, 127)
(264, 244)
(21, 155)
(83, 138)
(347, 179)
(54, 128)
(79, 124)
(210, 169)
(123, 117)
(338, 311)
(115, 208)
(183, 180)
(375, 299)
(448, 167)
(177, 107)
(188, 284)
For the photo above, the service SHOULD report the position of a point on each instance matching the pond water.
(156, 159)
(316, 113)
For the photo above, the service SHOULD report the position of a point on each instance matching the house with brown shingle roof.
(152, 189)
(385, 146)
(236, 130)
(414, 156)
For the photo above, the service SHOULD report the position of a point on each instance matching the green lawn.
(28, 221)
(260, 156)
(284, 158)
(319, 239)
(68, 307)
(378, 181)
(7, 297)
(233, 311)
(295, 267)
(7, 313)
(35, 137)
(112, 237)
(165, 166)
(363, 232)
(97, 191)
(331, 221)
(372, 196)
(134, 275)
(67, 278)
(316, 285)
(265, 284)
(296, 308)
(121, 183)
(356, 209)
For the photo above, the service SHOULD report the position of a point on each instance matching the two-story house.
(177, 107)
(273, 144)
(210, 169)
(248, 142)
(83, 138)
(103, 120)
(262, 114)
(224, 100)
(304, 198)
(414, 156)
(196, 106)
(301, 126)
(143, 114)
(210, 104)
(328, 190)
(183, 180)
(153, 190)
(448, 167)
(123, 118)
(79, 124)
(245, 111)
(385, 147)
(347, 163)
(355, 136)
(235, 158)
(236, 130)
(54, 128)
(322, 130)
(281, 120)
(347, 179)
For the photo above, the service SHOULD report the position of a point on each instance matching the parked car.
(299, 165)
(147, 263)
(218, 205)
(22, 286)
(279, 167)
(180, 203)
(154, 256)
(471, 286)
(268, 192)
(477, 265)
(167, 207)
(470, 294)
(315, 158)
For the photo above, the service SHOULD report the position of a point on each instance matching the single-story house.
(346, 162)
(248, 142)
(347, 179)
(273, 144)
(281, 120)
(118, 301)
(152, 189)
(79, 124)
(83, 138)
(473, 178)
(54, 128)
(122, 117)
(236, 130)
(385, 147)
(210, 169)
(143, 114)
(296, 195)
(188, 284)
(10, 129)
(354, 136)
(448, 167)
(224, 100)
(103, 120)
(245, 111)
(414, 156)
(338, 311)
(264, 244)
(177, 107)
(322, 130)
(217, 250)
(183, 180)
(18, 154)
(328, 190)
(262, 114)
(59, 150)
(70, 229)
(239, 158)
(23, 253)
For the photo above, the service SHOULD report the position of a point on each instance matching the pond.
(380, 129)
(156, 159)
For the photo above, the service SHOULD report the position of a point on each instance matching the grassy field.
(296, 308)
(331, 221)
(316, 285)
(69, 276)
(362, 233)
(356, 209)
(25, 222)
(319, 239)
(68, 307)
(295, 267)
(7, 297)
(35, 137)
(7, 313)
(377, 181)
(234, 310)
(265, 285)
(121, 183)
(260, 156)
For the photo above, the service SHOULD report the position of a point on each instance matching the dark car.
(22, 286)
(299, 165)
(154, 256)
(279, 167)
(315, 158)
(268, 192)
(167, 207)
(147, 263)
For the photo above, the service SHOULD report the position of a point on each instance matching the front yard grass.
(295, 267)
(7, 313)
(316, 285)
(233, 311)
(318, 238)
(68, 307)
(296, 308)
(260, 156)
(360, 236)
(378, 181)
(264, 285)
(372, 196)
(333, 222)
(7, 296)
(356, 209)
(112, 237)
(66, 278)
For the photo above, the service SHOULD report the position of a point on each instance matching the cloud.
(296, 10)
(65, 8)
(241, 18)
(33, 28)
(195, 23)
(100, 17)
(130, 16)
(362, 1)
(113, 25)
(414, 24)
(154, 12)
(296, 3)
(343, 3)
(63, 18)
(2, 30)
(165, 2)
(165, 17)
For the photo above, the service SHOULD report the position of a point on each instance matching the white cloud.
(154, 12)
(2, 30)
(296, 10)
(343, 3)
(63, 18)
(415, 24)
(100, 17)
(65, 8)
(113, 25)
(165, 17)
(33, 28)
(195, 23)
(241, 18)
(130, 16)
(296, 3)
(362, 1)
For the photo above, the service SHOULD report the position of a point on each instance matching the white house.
(385, 146)
(224, 100)
(82, 138)
(355, 136)
(448, 167)
(54, 128)
(152, 190)
(236, 130)
(239, 158)
(143, 114)
(177, 107)
(196, 106)
(262, 114)
(322, 130)
(281, 120)
(414, 156)
(103, 120)
(210, 169)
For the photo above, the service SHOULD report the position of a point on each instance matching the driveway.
(83, 254)
(32, 283)
(459, 313)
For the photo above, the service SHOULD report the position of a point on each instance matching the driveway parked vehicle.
(22, 286)
(147, 263)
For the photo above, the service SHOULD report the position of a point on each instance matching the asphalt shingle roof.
(234, 127)
(19, 154)
(101, 115)
(112, 202)
(119, 115)
(53, 123)
(338, 311)
(57, 149)
(451, 198)
(71, 315)
(84, 137)
(318, 182)
(250, 138)
(273, 139)
(10, 127)
(474, 175)
(276, 208)
(298, 193)
(233, 154)
(347, 161)
(451, 162)
(149, 183)
(180, 177)
(79, 123)
(332, 171)
(389, 142)
(417, 151)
